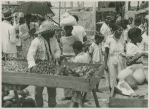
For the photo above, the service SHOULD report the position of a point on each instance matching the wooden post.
(94, 16)
(59, 11)
(95, 97)
(71, 5)
(65, 5)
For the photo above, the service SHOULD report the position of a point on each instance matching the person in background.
(137, 23)
(144, 44)
(80, 57)
(114, 48)
(44, 47)
(79, 31)
(119, 17)
(124, 25)
(9, 37)
(26, 32)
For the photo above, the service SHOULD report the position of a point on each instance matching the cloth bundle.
(67, 20)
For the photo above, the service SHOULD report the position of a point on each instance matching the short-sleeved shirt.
(96, 50)
(115, 47)
(79, 32)
(66, 44)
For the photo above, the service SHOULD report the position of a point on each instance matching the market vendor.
(66, 43)
(134, 57)
(44, 47)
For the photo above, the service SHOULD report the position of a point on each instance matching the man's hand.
(34, 68)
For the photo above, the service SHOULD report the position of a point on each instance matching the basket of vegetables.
(78, 69)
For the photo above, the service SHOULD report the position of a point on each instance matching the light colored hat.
(67, 20)
(47, 26)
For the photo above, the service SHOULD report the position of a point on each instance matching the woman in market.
(114, 48)
(66, 43)
(133, 55)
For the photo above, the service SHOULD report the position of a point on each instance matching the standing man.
(79, 31)
(45, 47)
(9, 37)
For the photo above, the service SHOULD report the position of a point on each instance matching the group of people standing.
(111, 45)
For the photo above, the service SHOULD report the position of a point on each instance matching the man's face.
(48, 34)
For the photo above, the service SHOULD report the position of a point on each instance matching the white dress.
(115, 60)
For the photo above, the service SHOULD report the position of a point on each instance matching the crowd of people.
(33, 38)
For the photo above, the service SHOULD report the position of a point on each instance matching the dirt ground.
(102, 97)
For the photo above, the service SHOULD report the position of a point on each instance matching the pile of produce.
(14, 66)
(78, 71)
(46, 67)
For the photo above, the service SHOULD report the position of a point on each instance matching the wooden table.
(44, 80)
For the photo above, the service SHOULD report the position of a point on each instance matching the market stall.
(19, 80)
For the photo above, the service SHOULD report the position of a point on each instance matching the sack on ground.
(131, 81)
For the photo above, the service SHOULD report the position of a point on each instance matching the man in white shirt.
(9, 37)
(79, 31)
(44, 47)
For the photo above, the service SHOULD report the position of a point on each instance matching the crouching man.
(45, 47)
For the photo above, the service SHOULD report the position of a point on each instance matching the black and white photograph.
(74, 54)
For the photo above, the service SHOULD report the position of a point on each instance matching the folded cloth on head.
(67, 20)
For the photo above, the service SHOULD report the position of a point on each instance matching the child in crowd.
(80, 57)
(95, 52)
